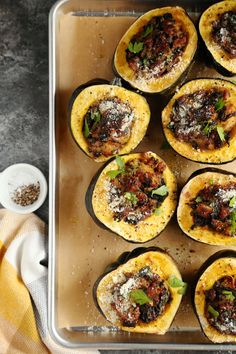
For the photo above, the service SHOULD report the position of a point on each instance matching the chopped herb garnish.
(211, 181)
(131, 197)
(86, 128)
(121, 164)
(139, 296)
(221, 133)
(228, 295)
(96, 116)
(233, 222)
(145, 61)
(162, 191)
(198, 199)
(157, 211)
(219, 104)
(208, 128)
(178, 283)
(212, 311)
(135, 47)
(232, 202)
(147, 30)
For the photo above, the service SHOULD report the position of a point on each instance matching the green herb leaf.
(96, 116)
(147, 30)
(198, 199)
(157, 211)
(232, 202)
(183, 289)
(212, 311)
(139, 296)
(162, 191)
(219, 104)
(208, 128)
(233, 222)
(175, 282)
(112, 174)
(86, 128)
(221, 133)
(135, 47)
(120, 163)
(131, 197)
(228, 295)
(211, 181)
(145, 61)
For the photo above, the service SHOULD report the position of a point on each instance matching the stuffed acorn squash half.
(141, 292)
(217, 27)
(156, 50)
(199, 121)
(207, 207)
(135, 196)
(215, 297)
(108, 120)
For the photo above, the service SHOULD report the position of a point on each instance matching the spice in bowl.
(25, 195)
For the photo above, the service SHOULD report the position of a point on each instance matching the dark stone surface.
(24, 92)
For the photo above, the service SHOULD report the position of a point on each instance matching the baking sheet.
(85, 46)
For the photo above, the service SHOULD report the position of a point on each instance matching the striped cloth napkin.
(23, 287)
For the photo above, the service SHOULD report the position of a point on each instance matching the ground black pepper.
(26, 194)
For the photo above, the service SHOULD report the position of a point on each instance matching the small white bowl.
(16, 176)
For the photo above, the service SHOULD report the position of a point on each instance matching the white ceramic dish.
(16, 176)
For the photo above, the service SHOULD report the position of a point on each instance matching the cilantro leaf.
(120, 163)
(86, 128)
(219, 104)
(131, 197)
(162, 191)
(232, 202)
(148, 29)
(145, 61)
(198, 199)
(233, 222)
(177, 283)
(139, 296)
(208, 128)
(135, 47)
(96, 116)
(228, 295)
(113, 173)
(221, 133)
(212, 311)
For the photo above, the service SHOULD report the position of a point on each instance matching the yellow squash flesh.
(184, 217)
(205, 27)
(218, 269)
(146, 229)
(225, 153)
(90, 96)
(161, 264)
(167, 80)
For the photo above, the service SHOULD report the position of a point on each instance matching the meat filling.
(141, 297)
(220, 307)
(157, 47)
(107, 126)
(224, 32)
(214, 207)
(203, 119)
(138, 190)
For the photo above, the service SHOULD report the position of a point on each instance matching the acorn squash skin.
(132, 261)
(216, 266)
(166, 83)
(221, 60)
(218, 156)
(87, 94)
(148, 228)
(194, 184)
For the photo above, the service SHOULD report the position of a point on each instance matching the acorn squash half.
(156, 50)
(107, 120)
(140, 279)
(207, 207)
(135, 196)
(214, 297)
(217, 29)
(199, 121)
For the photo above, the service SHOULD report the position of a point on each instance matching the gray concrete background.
(24, 92)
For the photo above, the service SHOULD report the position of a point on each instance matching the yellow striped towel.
(23, 287)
